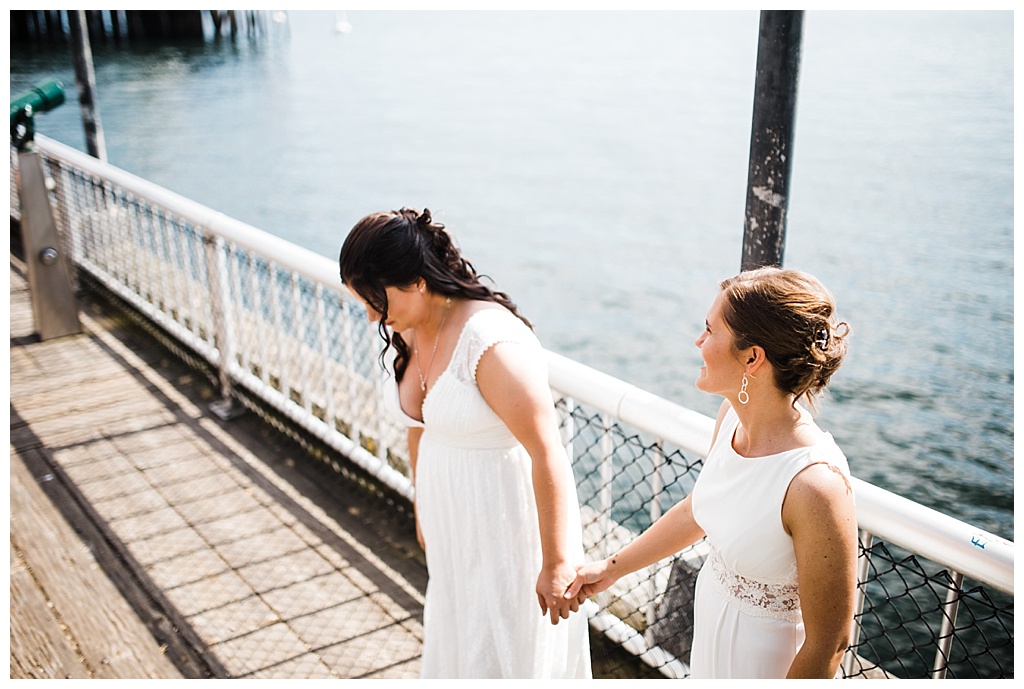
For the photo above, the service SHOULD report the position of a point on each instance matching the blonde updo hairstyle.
(790, 315)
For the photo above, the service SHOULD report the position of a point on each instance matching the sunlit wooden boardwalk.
(149, 539)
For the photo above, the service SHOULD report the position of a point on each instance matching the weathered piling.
(771, 138)
(85, 81)
(55, 26)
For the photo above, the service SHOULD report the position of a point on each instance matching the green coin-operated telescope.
(43, 97)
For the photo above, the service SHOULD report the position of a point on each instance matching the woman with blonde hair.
(775, 597)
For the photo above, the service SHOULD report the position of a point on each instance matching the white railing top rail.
(283, 253)
(949, 542)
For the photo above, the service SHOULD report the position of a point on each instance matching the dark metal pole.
(85, 80)
(771, 138)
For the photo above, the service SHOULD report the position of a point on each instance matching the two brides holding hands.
(496, 506)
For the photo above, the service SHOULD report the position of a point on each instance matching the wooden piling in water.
(53, 26)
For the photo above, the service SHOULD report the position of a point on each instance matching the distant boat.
(341, 23)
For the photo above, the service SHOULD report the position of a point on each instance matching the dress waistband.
(755, 598)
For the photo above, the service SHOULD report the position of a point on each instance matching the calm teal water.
(594, 165)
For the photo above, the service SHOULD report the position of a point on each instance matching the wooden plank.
(52, 633)
(39, 649)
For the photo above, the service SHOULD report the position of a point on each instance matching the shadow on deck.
(151, 539)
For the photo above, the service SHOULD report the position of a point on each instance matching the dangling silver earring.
(743, 396)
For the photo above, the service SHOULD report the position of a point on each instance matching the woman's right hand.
(591, 578)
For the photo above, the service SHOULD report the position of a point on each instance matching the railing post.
(325, 354)
(275, 310)
(301, 343)
(771, 137)
(945, 640)
(655, 513)
(607, 476)
(858, 608)
(355, 426)
(380, 415)
(216, 261)
(54, 308)
(568, 433)
(260, 317)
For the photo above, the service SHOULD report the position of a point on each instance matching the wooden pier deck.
(150, 539)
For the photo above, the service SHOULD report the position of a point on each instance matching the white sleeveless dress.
(747, 620)
(478, 517)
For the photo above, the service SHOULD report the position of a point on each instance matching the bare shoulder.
(820, 493)
(821, 481)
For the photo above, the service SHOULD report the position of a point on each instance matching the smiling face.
(722, 369)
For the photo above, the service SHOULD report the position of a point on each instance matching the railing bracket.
(227, 409)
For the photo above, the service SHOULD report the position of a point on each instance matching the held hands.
(551, 592)
(589, 579)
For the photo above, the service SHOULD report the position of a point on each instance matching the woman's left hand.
(552, 584)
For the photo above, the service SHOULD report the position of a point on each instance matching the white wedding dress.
(747, 621)
(478, 518)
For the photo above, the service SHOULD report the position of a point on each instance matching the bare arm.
(414, 449)
(819, 513)
(513, 381)
(676, 530)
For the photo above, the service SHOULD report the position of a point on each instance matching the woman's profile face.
(372, 314)
(405, 307)
(722, 370)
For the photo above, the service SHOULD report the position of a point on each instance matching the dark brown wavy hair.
(790, 315)
(396, 249)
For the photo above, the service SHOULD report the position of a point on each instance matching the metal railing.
(282, 333)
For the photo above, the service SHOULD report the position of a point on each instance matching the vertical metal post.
(607, 476)
(379, 445)
(222, 337)
(328, 371)
(866, 539)
(54, 308)
(568, 428)
(85, 80)
(945, 640)
(657, 488)
(771, 137)
(305, 384)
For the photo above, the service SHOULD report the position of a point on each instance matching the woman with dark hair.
(496, 506)
(775, 597)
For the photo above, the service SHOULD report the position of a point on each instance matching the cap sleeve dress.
(478, 517)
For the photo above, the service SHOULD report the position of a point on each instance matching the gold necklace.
(419, 369)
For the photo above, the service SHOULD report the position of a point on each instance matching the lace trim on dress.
(755, 598)
(472, 348)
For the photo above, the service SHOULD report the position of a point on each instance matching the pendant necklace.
(419, 369)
